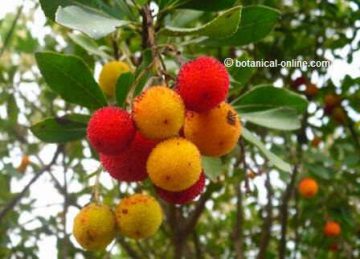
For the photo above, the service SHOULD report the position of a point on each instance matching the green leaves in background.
(123, 85)
(212, 166)
(242, 74)
(87, 20)
(59, 130)
(70, 77)
(224, 25)
(89, 45)
(273, 159)
(256, 22)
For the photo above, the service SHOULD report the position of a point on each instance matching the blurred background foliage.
(248, 206)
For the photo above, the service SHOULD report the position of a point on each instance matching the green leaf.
(209, 5)
(70, 77)
(278, 118)
(89, 45)
(256, 22)
(273, 159)
(212, 166)
(87, 20)
(12, 109)
(50, 6)
(142, 72)
(59, 130)
(267, 97)
(123, 85)
(222, 26)
(242, 74)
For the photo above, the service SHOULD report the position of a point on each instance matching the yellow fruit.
(159, 113)
(109, 75)
(174, 164)
(215, 132)
(94, 227)
(138, 216)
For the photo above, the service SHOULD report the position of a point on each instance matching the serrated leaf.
(222, 26)
(273, 159)
(212, 166)
(123, 85)
(256, 22)
(87, 20)
(267, 97)
(278, 118)
(70, 77)
(63, 129)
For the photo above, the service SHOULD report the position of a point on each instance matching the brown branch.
(18, 197)
(238, 228)
(266, 228)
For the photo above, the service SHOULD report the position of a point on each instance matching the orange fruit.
(308, 187)
(332, 229)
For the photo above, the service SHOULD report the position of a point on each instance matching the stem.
(96, 188)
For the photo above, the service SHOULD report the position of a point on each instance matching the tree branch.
(18, 197)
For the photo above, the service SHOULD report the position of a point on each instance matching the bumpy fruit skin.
(185, 196)
(130, 165)
(215, 132)
(308, 187)
(174, 164)
(110, 130)
(159, 113)
(203, 83)
(94, 227)
(332, 229)
(138, 216)
(110, 74)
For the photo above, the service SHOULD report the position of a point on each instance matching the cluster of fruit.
(332, 102)
(308, 188)
(163, 138)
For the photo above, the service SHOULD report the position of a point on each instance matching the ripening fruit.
(203, 83)
(215, 132)
(130, 165)
(174, 164)
(159, 113)
(301, 80)
(25, 161)
(94, 227)
(332, 229)
(110, 74)
(332, 100)
(315, 142)
(138, 216)
(339, 115)
(311, 90)
(308, 187)
(185, 196)
(110, 130)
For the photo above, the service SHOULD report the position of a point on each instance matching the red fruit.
(301, 80)
(185, 196)
(311, 90)
(334, 247)
(203, 83)
(110, 130)
(130, 165)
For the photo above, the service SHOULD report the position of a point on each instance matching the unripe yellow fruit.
(109, 75)
(138, 216)
(159, 113)
(94, 227)
(174, 164)
(215, 132)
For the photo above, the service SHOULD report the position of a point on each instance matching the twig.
(18, 197)
(266, 228)
(129, 250)
(238, 228)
